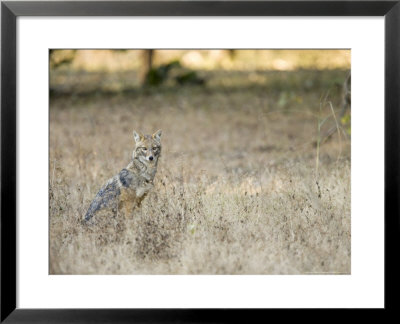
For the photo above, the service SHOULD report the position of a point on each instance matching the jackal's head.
(148, 147)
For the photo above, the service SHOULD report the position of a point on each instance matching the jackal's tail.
(106, 197)
(88, 216)
(94, 206)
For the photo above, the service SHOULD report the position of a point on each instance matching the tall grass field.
(246, 182)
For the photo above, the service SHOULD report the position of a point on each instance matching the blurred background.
(124, 70)
(255, 169)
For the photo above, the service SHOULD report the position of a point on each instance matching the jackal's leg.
(127, 208)
(139, 201)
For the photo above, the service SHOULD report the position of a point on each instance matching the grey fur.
(125, 177)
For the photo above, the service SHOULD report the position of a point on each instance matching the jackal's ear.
(157, 135)
(137, 136)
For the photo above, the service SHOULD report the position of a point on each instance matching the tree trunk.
(147, 64)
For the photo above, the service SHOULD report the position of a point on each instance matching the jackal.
(126, 190)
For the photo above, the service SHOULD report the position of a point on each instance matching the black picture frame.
(9, 13)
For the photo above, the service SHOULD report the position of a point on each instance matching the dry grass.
(236, 191)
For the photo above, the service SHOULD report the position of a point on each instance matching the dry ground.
(237, 191)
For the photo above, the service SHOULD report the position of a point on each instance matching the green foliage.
(156, 76)
(173, 70)
(346, 123)
(190, 77)
(61, 57)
